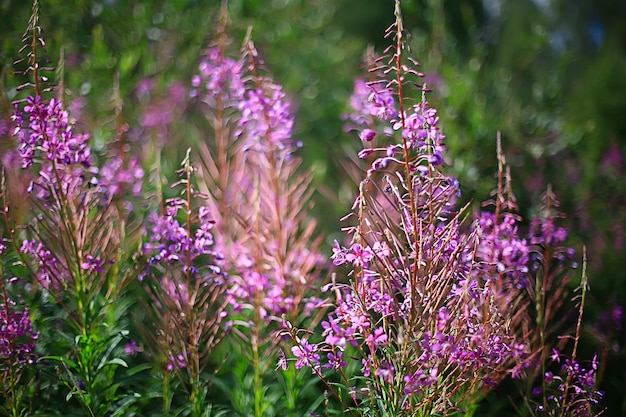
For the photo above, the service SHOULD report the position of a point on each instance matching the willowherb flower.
(266, 120)
(116, 178)
(306, 354)
(177, 361)
(49, 135)
(571, 391)
(369, 102)
(92, 264)
(335, 360)
(50, 271)
(46, 138)
(502, 250)
(547, 233)
(131, 348)
(17, 337)
(220, 76)
(170, 241)
(420, 128)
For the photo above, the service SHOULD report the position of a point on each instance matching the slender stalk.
(583, 288)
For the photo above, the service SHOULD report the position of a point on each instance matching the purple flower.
(17, 338)
(364, 153)
(545, 232)
(367, 135)
(282, 361)
(366, 366)
(383, 105)
(115, 179)
(170, 241)
(335, 360)
(176, 362)
(376, 339)
(359, 256)
(369, 100)
(266, 120)
(500, 246)
(386, 371)
(339, 254)
(49, 135)
(221, 76)
(50, 271)
(577, 396)
(132, 348)
(337, 335)
(306, 353)
(416, 381)
(92, 264)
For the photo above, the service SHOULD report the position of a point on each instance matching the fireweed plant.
(186, 287)
(260, 197)
(436, 311)
(530, 276)
(74, 252)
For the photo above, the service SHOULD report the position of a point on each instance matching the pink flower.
(376, 339)
(359, 256)
(306, 353)
(367, 135)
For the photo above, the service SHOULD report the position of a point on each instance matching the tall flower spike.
(43, 128)
(261, 199)
(267, 247)
(266, 122)
(186, 286)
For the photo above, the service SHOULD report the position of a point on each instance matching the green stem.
(258, 377)
(167, 401)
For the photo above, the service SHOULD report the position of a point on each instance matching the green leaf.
(66, 361)
(117, 361)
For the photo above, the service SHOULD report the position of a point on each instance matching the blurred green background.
(549, 74)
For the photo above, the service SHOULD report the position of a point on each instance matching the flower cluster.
(116, 179)
(92, 264)
(266, 120)
(50, 272)
(570, 392)
(504, 253)
(17, 338)
(415, 305)
(221, 76)
(467, 335)
(306, 354)
(420, 129)
(185, 282)
(369, 102)
(544, 232)
(171, 242)
(375, 114)
(49, 135)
